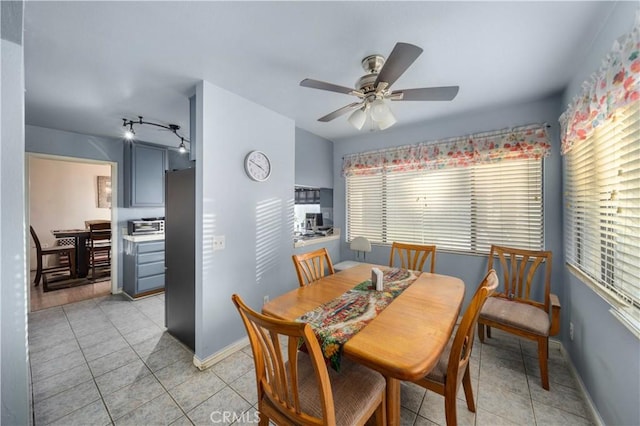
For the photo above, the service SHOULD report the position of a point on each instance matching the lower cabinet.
(143, 267)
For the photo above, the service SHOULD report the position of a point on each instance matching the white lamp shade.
(357, 118)
(379, 110)
(387, 121)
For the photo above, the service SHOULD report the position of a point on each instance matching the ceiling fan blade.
(341, 111)
(445, 93)
(400, 58)
(317, 84)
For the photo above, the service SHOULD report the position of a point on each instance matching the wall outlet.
(265, 300)
(571, 330)
(219, 242)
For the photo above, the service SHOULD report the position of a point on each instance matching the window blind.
(463, 209)
(602, 220)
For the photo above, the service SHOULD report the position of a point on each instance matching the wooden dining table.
(80, 237)
(404, 341)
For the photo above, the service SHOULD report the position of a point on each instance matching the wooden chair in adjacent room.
(413, 256)
(453, 366)
(515, 310)
(65, 253)
(99, 247)
(295, 387)
(312, 266)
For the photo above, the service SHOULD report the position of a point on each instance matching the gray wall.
(256, 218)
(75, 145)
(605, 353)
(314, 159)
(540, 111)
(14, 386)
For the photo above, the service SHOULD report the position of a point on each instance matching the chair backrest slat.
(311, 266)
(100, 231)
(413, 256)
(522, 271)
(277, 379)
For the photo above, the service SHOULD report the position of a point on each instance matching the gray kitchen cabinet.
(143, 267)
(144, 169)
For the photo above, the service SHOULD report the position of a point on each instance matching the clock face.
(257, 166)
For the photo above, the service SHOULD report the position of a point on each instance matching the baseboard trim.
(595, 415)
(220, 355)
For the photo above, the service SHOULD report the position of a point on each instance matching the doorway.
(64, 193)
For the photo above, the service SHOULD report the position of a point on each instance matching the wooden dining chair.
(453, 366)
(302, 390)
(99, 246)
(413, 256)
(312, 266)
(515, 310)
(65, 253)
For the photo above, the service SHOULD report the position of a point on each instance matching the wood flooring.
(41, 300)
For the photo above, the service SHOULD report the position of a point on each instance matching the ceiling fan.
(375, 87)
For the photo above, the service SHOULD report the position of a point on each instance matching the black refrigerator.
(180, 254)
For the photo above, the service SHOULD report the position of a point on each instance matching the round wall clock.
(257, 166)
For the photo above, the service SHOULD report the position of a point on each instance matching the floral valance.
(613, 86)
(530, 142)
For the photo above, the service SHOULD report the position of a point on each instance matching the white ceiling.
(89, 64)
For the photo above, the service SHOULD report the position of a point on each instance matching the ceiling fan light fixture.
(379, 109)
(357, 118)
(387, 121)
(374, 88)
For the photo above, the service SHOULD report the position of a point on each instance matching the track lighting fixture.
(129, 133)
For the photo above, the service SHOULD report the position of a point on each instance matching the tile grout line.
(61, 372)
(137, 355)
(93, 377)
(210, 396)
(89, 367)
(153, 373)
(526, 377)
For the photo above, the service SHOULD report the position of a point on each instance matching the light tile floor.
(109, 361)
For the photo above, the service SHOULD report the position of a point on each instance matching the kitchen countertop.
(299, 241)
(143, 238)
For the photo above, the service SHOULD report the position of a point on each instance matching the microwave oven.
(145, 227)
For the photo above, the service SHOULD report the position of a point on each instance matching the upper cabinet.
(307, 196)
(144, 174)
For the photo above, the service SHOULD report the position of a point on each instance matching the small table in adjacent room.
(80, 237)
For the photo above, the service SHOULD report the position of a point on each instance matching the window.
(464, 209)
(602, 220)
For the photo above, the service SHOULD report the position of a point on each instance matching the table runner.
(336, 321)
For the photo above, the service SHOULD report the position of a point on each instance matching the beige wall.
(62, 195)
